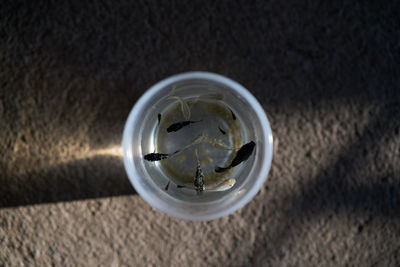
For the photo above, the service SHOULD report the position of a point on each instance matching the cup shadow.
(96, 177)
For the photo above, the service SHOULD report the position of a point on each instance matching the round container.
(149, 181)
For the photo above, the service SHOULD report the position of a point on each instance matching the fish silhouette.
(243, 154)
(179, 125)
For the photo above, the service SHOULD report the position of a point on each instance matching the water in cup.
(198, 132)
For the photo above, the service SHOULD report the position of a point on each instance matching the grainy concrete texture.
(326, 72)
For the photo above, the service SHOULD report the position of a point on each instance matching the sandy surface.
(326, 72)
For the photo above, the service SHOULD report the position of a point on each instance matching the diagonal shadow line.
(335, 189)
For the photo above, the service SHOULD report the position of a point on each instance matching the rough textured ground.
(326, 72)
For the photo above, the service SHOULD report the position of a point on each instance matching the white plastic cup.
(156, 196)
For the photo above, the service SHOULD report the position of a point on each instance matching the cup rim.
(130, 127)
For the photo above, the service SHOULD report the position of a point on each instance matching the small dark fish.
(222, 131)
(179, 125)
(243, 154)
(180, 186)
(159, 156)
(167, 186)
(233, 114)
(199, 178)
(155, 156)
(159, 118)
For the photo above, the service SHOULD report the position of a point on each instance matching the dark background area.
(326, 72)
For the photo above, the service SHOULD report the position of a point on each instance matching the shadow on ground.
(96, 177)
(363, 182)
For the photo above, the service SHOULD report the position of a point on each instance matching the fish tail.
(222, 169)
(167, 186)
(222, 131)
(174, 154)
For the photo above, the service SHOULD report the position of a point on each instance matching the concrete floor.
(326, 72)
